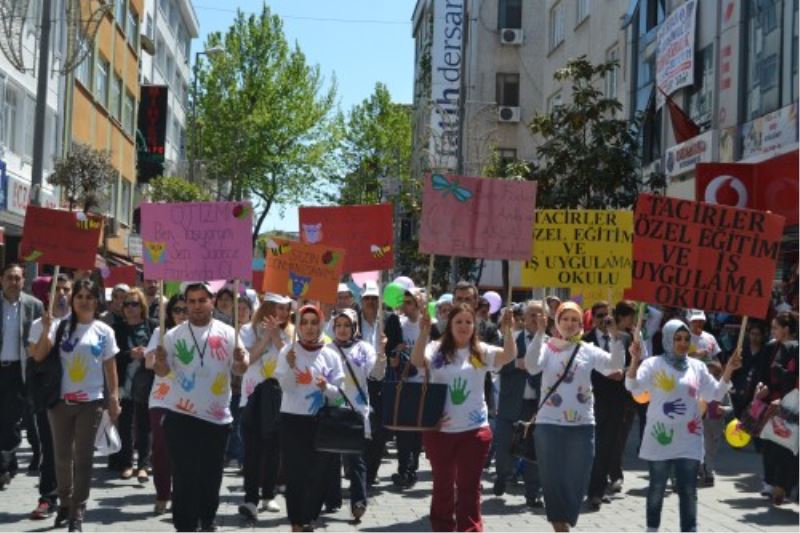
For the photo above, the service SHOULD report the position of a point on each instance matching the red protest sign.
(703, 256)
(64, 238)
(477, 217)
(364, 232)
(115, 275)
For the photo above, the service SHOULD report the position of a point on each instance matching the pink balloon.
(360, 278)
(495, 301)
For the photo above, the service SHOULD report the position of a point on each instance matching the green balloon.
(393, 295)
(432, 309)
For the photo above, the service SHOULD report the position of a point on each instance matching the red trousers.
(457, 461)
(162, 469)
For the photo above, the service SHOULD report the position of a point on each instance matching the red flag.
(683, 127)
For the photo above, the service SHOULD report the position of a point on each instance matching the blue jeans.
(686, 485)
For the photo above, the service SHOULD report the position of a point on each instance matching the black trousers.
(608, 426)
(47, 467)
(780, 466)
(134, 433)
(32, 432)
(261, 463)
(304, 467)
(629, 411)
(376, 447)
(12, 405)
(196, 449)
(409, 446)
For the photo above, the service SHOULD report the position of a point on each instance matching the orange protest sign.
(303, 271)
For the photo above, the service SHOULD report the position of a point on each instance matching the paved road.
(732, 505)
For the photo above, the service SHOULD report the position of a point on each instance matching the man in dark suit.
(519, 396)
(609, 403)
(19, 311)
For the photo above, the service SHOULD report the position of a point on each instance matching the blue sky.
(361, 41)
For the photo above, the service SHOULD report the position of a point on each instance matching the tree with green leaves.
(266, 121)
(588, 157)
(84, 175)
(172, 189)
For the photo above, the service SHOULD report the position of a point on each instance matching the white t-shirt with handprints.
(261, 369)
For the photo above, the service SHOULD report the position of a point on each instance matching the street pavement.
(733, 504)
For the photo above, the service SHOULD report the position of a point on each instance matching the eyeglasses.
(131, 304)
(179, 309)
(601, 315)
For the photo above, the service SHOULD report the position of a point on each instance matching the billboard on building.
(152, 131)
(675, 50)
(446, 70)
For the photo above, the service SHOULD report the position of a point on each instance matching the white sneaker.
(270, 505)
(248, 510)
(766, 490)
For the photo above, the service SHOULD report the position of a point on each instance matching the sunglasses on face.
(131, 304)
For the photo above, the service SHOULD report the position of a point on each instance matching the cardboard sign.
(580, 248)
(588, 296)
(197, 241)
(696, 255)
(364, 232)
(64, 238)
(303, 271)
(477, 217)
(115, 275)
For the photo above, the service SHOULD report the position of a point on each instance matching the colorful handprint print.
(268, 367)
(67, 345)
(584, 394)
(662, 380)
(220, 384)
(571, 416)
(302, 377)
(458, 391)
(217, 345)
(476, 417)
(184, 353)
(186, 406)
(659, 433)
(695, 426)
(555, 400)
(97, 349)
(161, 390)
(187, 383)
(358, 356)
(439, 360)
(673, 408)
(317, 401)
(216, 411)
(77, 369)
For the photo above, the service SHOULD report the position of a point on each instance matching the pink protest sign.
(197, 241)
(477, 217)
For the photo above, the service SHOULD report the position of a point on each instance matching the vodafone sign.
(726, 190)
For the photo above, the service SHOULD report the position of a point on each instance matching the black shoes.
(499, 487)
(535, 502)
(61, 517)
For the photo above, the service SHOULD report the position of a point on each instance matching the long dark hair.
(169, 323)
(786, 319)
(448, 343)
(92, 288)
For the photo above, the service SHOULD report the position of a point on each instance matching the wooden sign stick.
(742, 333)
(161, 313)
(53, 283)
(235, 313)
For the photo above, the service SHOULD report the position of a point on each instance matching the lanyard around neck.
(200, 352)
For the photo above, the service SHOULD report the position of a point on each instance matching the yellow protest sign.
(588, 296)
(580, 248)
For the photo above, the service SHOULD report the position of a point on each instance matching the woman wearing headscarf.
(265, 337)
(565, 419)
(673, 436)
(310, 374)
(360, 364)
(458, 450)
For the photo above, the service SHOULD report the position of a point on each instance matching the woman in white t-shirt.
(673, 437)
(458, 451)
(87, 349)
(264, 337)
(309, 373)
(565, 420)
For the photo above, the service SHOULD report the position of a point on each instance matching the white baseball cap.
(277, 298)
(695, 314)
(343, 287)
(370, 289)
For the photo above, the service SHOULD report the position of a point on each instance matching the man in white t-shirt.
(202, 353)
(703, 345)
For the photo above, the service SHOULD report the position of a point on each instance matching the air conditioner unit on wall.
(511, 36)
(507, 114)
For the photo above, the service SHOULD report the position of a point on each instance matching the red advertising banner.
(477, 217)
(771, 185)
(696, 255)
(115, 275)
(364, 232)
(65, 238)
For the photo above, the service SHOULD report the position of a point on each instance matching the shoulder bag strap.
(352, 374)
(558, 382)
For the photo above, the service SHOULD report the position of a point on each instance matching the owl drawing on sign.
(312, 233)
(156, 251)
(298, 285)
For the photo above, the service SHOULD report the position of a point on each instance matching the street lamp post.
(210, 52)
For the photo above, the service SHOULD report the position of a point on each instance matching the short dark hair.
(597, 306)
(64, 278)
(624, 308)
(12, 265)
(464, 285)
(785, 319)
(223, 291)
(198, 286)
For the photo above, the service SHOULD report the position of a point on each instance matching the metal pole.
(42, 75)
(193, 153)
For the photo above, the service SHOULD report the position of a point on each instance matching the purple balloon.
(495, 301)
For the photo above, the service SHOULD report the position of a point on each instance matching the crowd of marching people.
(188, 394)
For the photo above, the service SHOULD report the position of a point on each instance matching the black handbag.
(340, 429)
(522, 446)
(413, 406)
(43, 378)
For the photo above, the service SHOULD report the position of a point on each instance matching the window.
(133, 28)
(169, 71)
(116, 98)
(174, 16)
(651, 13)
(583, 11)
(612, 54)
(50, 140)
(148, 26)
(128, 113)
(101, 80)
(506, 156)
(556, 25)
(125, 202)
(83, 72)
(10, 119)
(507, 90)
(163, 5)
(554, 101)
(113, 197)
(509, 14)
(701, 94)
(764, 40)
(119, 12)
(30, 118)
(161, 54)
(3, 139)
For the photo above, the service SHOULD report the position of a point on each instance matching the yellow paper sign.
(580, 248)
(588, 296)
